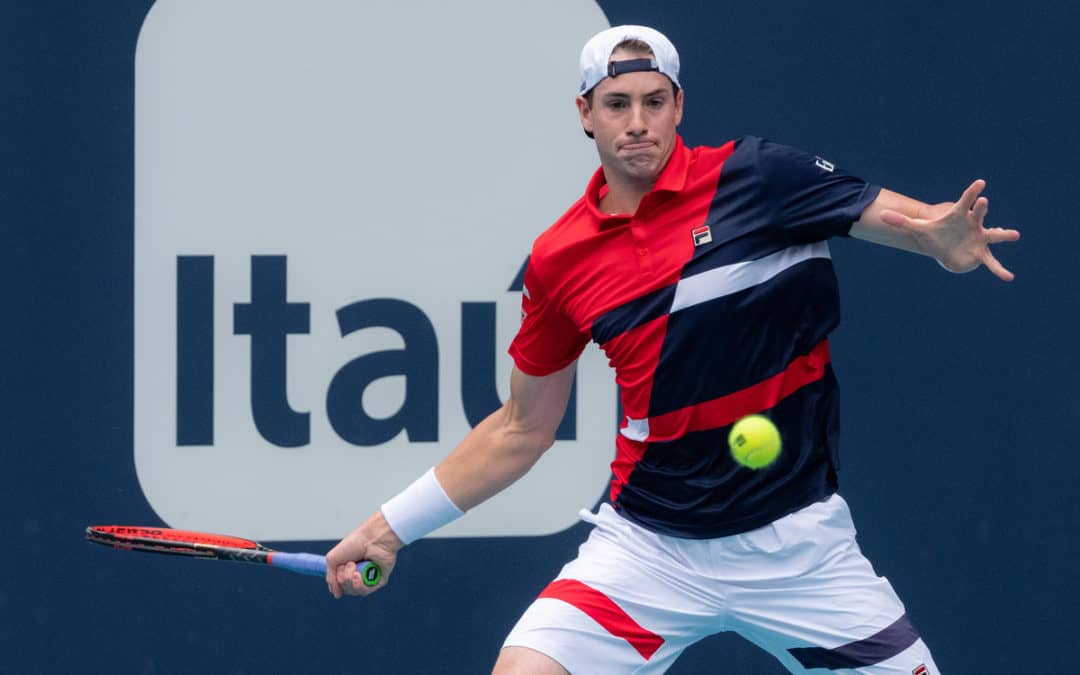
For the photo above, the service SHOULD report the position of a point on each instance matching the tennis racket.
(216, 547)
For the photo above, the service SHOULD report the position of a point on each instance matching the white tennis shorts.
(799, 588)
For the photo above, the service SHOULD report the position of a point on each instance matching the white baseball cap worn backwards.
(596, 61)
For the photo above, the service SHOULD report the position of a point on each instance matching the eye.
(655, 103)
(616, 104)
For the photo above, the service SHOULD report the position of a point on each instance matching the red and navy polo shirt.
(713, 301)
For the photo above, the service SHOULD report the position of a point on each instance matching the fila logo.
(825, 164)
(920, 670)
(702, 235)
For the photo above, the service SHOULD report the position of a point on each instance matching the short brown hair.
(634, 46)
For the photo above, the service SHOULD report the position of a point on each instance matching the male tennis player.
(704, 275)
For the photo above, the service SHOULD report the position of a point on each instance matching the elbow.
(530, 444)
(526, 438)
(537, 443)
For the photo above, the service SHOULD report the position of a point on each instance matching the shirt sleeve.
(547, 340)
(809, 196)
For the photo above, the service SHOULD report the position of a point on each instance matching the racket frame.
(209, 546)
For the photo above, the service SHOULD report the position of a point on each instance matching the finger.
(345, 577)
(996, 235)
(331, 580)
(967, 200)
(982, 205)
(338, 583)
(362, 589)
(331, 574)
(997, 268)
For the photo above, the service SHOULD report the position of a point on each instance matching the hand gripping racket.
(216, 547)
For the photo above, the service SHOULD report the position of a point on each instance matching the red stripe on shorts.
(605, 612)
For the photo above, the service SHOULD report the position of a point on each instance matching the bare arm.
(951, 232)
(505, 446)
(497, 452)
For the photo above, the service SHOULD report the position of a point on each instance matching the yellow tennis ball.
(755, 441)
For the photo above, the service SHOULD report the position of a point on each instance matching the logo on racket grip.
(372, 574)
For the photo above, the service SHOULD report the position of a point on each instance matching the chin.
(642, 168)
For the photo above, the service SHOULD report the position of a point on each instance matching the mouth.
(639, 145)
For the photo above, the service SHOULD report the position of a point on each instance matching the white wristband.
(420, 509)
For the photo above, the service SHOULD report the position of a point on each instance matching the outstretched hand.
(953, 232)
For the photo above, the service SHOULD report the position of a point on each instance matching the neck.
(624, 195)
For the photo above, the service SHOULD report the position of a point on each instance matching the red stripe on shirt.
(635, 383)
(605, 612)
(728, 409)
(628, 454)
(718, 412)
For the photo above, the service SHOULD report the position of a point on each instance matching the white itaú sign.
(333, 202)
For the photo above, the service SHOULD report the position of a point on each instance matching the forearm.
(497, 452)
(501, 449)
(489, 459)
(870, 226)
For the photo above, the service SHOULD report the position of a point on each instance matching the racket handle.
(315, 565)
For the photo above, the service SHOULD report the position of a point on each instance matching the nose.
(637, 125)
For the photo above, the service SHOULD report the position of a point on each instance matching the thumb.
(896, 219)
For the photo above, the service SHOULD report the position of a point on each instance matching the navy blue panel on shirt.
(771, 196)
(706, 494)
(633, 314)
(811, 199)
(735, 341)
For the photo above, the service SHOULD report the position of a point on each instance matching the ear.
(678, 106)
(585, 113)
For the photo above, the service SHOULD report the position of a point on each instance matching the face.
(633, 117)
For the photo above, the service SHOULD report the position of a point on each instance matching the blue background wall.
(960, 392)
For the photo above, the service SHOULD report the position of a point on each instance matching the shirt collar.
(672, 178)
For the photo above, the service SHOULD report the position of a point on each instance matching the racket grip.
(302, 563)
(315, 565)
